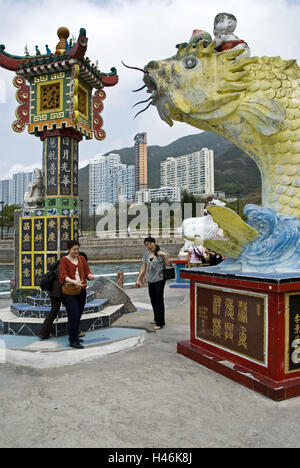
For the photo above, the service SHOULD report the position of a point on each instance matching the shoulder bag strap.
(82, 269)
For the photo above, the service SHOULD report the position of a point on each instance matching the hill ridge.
(234, 170)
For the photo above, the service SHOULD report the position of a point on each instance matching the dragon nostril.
(153, 65)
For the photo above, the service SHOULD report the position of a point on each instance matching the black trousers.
(47, 325)
(156, 293)
(75, 307)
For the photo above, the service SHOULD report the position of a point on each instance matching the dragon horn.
(134, 68)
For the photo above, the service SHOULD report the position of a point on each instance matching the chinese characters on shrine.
(42, 241)
(293, 333)
(61, 166)
(235, 321)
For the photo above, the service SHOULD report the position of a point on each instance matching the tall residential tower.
(141, 162)
(109, 180)
(192, 172)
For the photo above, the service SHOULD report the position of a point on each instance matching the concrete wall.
(124, 249)
(105, 249)
(7, 252)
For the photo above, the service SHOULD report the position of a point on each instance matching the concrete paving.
(56, 352)
(149, 396)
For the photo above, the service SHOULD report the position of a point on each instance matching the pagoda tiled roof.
(29, 66)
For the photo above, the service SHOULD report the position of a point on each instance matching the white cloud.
(135, 31)
(20, 168)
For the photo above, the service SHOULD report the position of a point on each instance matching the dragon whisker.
(140, 89)
(135, 68)
(143, 109)
(142, 102)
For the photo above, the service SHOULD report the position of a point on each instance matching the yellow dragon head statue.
(252, 101)
(203, 88)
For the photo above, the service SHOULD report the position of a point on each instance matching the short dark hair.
(72, 243)
(150, 239)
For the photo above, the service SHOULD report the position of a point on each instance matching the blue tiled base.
(29, 311)
(44, 300)
(26, 319)
(92, 337)
(87, 323)
(180, 285)
(257, 276)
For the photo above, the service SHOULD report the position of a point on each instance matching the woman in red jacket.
(73, 273)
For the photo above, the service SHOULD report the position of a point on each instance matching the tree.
(189, 198)
(7, 216)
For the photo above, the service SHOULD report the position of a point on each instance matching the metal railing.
(105, 275)
(134, 234)
(111, 275)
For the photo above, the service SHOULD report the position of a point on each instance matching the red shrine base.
(247, 328)
(277, 391)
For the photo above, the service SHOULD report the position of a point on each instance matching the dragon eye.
(190, 62)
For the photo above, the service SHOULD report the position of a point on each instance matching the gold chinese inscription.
(232, 320)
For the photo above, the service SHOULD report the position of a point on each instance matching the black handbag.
(169, 273)
(47, 281)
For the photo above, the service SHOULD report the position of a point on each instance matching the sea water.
(7, 272)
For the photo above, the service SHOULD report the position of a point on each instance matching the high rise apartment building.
(12, 191)
(141, 162)
(122, 183)
(20, 183)
(5, 191)
(172, 194)
(192, 172)
(109, 180)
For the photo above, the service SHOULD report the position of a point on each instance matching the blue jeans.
(75, 307)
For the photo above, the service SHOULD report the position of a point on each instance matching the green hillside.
(234, 170)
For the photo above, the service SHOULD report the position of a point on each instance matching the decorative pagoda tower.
(57, 104)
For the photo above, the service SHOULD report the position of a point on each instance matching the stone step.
(25, 326)
(44, 301)
(29, 311)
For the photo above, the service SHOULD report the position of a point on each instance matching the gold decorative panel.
(83, 101)
(50, 97)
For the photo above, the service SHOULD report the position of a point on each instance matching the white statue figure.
(34, 198)
(196, 231)
(224, 27)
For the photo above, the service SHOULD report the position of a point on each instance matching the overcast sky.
(135, 31)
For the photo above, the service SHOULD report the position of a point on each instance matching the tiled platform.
(43, 299)
(263, 277)
(94, 337)
(28, 351)
(30, 326)
(30, 311)
(26, 319)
